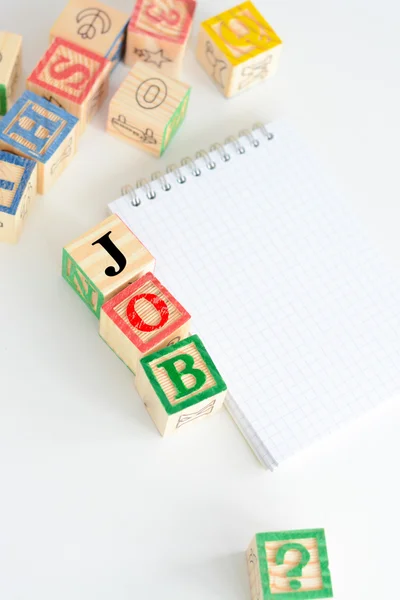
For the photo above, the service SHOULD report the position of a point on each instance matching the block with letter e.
(37, 129)
(158, 33)
(289, 565)
(141, 319)
(180, 384)
(238, 48)
(103, 261)
(17, 190)
(73, 78)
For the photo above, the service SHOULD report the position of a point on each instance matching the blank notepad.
(297, 309)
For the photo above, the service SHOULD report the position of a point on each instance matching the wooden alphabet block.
(37, 129)
(103, 261)
(289, 565)
(158, 33)
(10, 68)
(143, 318)
(94, 26)
(18, 180)
(73, 78)
(238, 49)
(148, 109)
(180, 384)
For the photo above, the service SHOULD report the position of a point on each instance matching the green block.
(3, 99)
(175, 122)
(289, 565)
(176, 367)
(81, 284)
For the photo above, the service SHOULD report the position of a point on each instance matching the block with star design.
(93, 25)
(238, 49)
(158, 33)
(10, 68)
(289, 565)
(37, 129)
(180, 384)
(73, 78)
(18, 179)
(148, 109)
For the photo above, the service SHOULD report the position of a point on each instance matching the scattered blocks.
(10, 68)
(103, 261)
(72, 77)
(141, 319)
(148, 109)
(18, 180)
(158, 33)
(238, 49)
(37, 129)
(289, 565)
(94, 26)
(180, 384)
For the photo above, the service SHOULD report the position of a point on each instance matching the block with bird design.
(158, 33)
(238, 49)
(148, 109)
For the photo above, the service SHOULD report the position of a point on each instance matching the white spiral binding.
(188, 164)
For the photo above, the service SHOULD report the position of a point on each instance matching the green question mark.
(298, 569)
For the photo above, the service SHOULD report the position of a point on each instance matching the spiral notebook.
(296, 307)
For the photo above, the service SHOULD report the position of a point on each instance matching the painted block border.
(186, 98)
(100, 295)
(29, 166)
(177, 40)
(3, 99)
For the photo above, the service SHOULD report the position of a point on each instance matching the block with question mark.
(289, 565)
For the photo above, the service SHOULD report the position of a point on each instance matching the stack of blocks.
(145, 326)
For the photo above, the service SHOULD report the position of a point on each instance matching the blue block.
(33, 134)
(28, 165)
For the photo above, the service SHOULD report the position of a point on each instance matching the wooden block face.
(37, 129)
(18, 180)
(10, 68)
(243, 40)
(184, 381)
(94, 26)
(73, 77)
(144, 317)
(290, 564)
(148, 109)
(103, 261)
(158, 32)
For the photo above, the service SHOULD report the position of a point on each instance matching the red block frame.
(185, 29)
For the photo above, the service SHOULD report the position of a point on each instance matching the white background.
(94, 505)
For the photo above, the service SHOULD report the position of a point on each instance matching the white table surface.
(94, 505)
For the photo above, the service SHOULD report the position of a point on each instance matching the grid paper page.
(297, 310)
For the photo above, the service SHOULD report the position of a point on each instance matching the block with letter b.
(289, 565)
(148, 109)
(93, 25)
(158, 33)
(73, 78)
(238, 48)
(180, 384)
(37, 129)
(103, 261)
(141, 319)
(10, 68)
(17, 190)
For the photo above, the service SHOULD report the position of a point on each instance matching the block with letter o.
(141, 319)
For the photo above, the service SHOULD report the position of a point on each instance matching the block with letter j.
(180, 384)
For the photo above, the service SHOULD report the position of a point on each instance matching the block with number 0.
(238, 49)
(148, 109)
(73, 78)
(158, 33)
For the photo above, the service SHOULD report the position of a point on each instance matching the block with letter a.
(37, 129)
(103, 261)
(141, 319)
(73, 78)
(158, 33)
(180, 384)
(238, 49)
(148, 109)
(18, 181)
